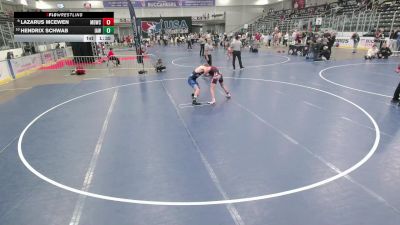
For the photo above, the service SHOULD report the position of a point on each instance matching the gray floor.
(294, 145)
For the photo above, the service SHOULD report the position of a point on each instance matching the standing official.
(236, 47)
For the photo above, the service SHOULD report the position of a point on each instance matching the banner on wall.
(26, 63)
(47, 57)
(59, 53)
(312, 10)
(136, 32)
(165, 25)
(299, 4)
(365, 42)
(159, 3)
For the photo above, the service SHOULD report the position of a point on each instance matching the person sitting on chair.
(111, 56)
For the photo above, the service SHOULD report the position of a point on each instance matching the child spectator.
(159, 66)
(111, 56)
(325, 53)
(372, 52)
(356, 39)
(229, 52)
(384, 52)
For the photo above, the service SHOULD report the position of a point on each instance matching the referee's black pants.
(116, 59)
(209, 61)
(396, 93)
(237, 54)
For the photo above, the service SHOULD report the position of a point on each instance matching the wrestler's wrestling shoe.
(194, 102)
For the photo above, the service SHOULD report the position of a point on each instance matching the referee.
(236, 47)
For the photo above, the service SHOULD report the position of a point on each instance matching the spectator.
(202, 44)
(270, 36)
(216, 40)
(294, 37)
(229, 52)
(384, 52)
(398, 39)
(208, 49)
(192, 37)
(189, 41)
(159, 39)
(379, 37)
(325, 53)
(285, 39)
(255, 46)
(356, 39)
(111, 56)
(27, 49)
(396, 94)
(331, 41)
(258, 36)
(10, 55)
(393, 40)
(372, 52)
(159, 65)
(33, 50)
(165, 39)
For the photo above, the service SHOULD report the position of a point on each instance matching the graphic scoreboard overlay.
(64, 26)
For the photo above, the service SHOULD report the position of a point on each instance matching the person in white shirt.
(202, 44)
(265, 39)
(236, 47)
(189, 41)
(165, 39)
(208, 49)
(294, 36)
(372, 52)
(285, 39)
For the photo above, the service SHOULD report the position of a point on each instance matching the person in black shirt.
(10, 55)
(325, 53)
(379, 38)
(356, 39)
(394, 37)
(384, 52)
(396, 94)
(331, 41)
(159, 65)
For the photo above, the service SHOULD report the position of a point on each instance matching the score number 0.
(108, 25)
(108, 21)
